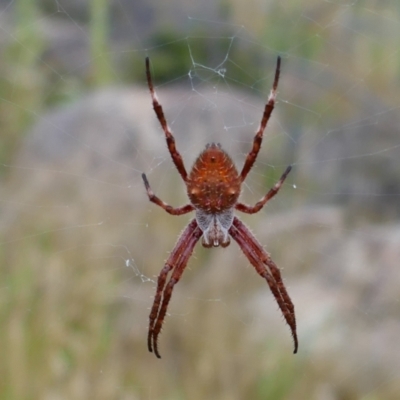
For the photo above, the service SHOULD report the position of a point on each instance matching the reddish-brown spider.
(213, 186)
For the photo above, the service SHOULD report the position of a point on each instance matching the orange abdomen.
(213, 183)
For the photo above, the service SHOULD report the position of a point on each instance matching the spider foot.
(149, 345)
(152, 344)
(156, 350)
(291, 321)
(296, 343)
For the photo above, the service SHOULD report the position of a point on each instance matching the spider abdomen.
(213, 184)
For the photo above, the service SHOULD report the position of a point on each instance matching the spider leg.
(169, 209)
(261, 203)
(266, 268)
(171, 262)
(177, 261)
(251, 157)
(176, 157)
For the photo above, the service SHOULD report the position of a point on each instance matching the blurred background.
(81, 246)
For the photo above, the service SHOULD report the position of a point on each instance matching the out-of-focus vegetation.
(21, 81)
(73, 319)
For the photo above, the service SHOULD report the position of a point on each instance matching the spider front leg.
(177, 261)
(269, 107)
(266, 268)
(271, 193)
(169, 209)
(176, 156)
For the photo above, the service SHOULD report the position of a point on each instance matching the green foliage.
(29, 84)
(280, 378)
(21, 79)
(99, 33)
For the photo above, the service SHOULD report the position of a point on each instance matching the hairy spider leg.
(156, 200)
(176, 156)
(266, 268)
(177, 261)
(251, 157)
(261, 203)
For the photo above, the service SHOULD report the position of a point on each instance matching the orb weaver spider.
(213, 187)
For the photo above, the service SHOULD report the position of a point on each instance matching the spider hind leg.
(266, 268)
(177, 262)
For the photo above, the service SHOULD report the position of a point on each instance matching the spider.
(213, 187)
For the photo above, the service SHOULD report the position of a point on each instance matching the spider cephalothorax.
(213, 186)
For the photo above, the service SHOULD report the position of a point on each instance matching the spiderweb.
(81, 246)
